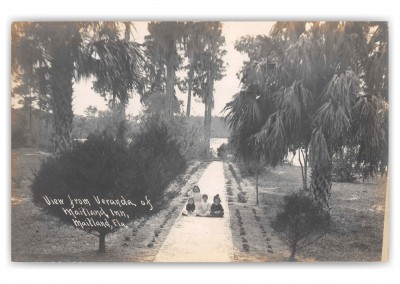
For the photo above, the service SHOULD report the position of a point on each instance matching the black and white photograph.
(199, 141)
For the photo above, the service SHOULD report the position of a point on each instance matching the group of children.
(198, 205)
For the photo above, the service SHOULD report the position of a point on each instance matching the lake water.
(216, 142)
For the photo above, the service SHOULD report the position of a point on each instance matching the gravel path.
(201, 239)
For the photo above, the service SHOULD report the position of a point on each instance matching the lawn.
(39, 237)
(358, 216)
(356, 235)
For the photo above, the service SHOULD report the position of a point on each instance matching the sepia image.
(197, 141)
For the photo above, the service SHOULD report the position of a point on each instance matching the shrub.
(300, 223)
(344, 166)
(158, 154)
(108, 168)
(222, 151)
(242, 197)
(189, 137)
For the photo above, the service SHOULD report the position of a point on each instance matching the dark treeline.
(48, 58)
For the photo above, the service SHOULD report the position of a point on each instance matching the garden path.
(201, 239)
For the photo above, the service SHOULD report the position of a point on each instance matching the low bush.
(107, 167)
(300, 223)
(242, 197)
(222, 151)
(345, 167)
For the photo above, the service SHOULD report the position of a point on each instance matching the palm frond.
(335, 113)
(271, 141)
(319, 153)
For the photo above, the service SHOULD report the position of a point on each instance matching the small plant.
(300, 223)
(157, 232)
(242, 197)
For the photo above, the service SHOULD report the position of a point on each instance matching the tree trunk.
(257, 174)
(208, 109)
(127, 31)
(293, 253)
(170, 82)
(102, 242)
(304, 167)
(207, 125)
(321, 184)
(29, 141)
(189, 100)
(61, 76)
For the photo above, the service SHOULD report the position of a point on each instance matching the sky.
(225, 89)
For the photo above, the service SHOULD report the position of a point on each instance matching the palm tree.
(117, 75)
(248, 110)
(311, 79)
(62, 53)
(244, 126)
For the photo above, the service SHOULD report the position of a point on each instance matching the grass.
(358, 215)
(38, 237)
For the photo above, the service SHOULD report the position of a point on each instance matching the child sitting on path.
(196, 194)
(190, 208)
(216, 208)
(203, 209)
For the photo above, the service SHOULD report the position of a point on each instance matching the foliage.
(300, 223)
(306, 88)
(187, 135)
(158, 153)
(117, 75)
(159, 104)
(18, 138)
(222, 151)
(48, 57)
(109, 168)
(99, 121)
(345, 167)
(163, 61)
(242, 197)
(167, 45)
(31, 128)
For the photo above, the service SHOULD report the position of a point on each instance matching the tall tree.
(53, 47)
(25, 94)
(165, 38)
(62, 53)
(194, 44)
(117, 76)
(248, 110)
(313, 75)
(209, 68)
